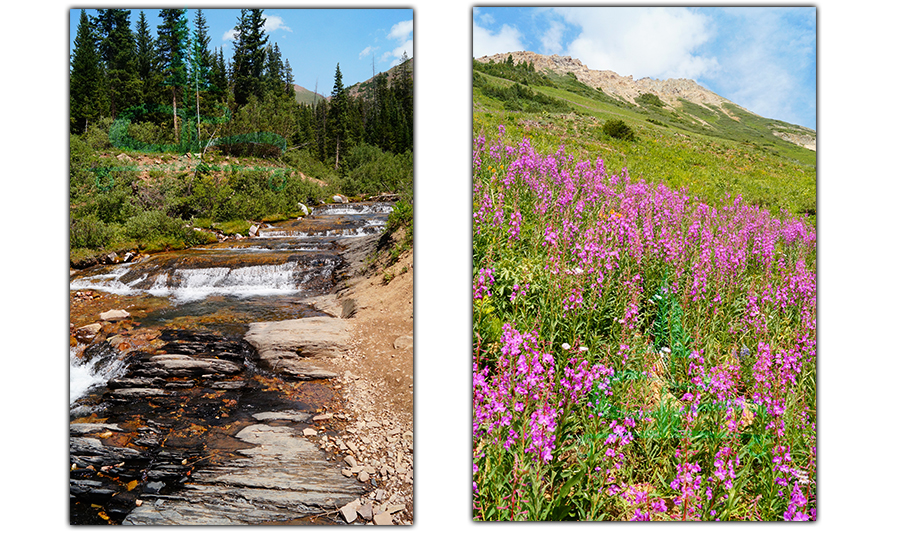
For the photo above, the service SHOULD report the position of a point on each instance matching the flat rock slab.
(291, 347)
(283, 477)
(114, 315)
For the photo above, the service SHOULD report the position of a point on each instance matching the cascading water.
(158, 396)
(91, 368)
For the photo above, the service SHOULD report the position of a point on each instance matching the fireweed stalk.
(585, 407)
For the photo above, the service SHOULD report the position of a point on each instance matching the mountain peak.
(610, 82)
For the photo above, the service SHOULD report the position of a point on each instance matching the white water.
(354, 209)
(108, 282)
(370, 227)
(83, 376)
(187, 285)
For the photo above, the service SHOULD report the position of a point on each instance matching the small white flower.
(582, 348)
(566, 346)
(665, 350)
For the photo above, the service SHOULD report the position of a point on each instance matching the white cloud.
(485, 43)
(367, 51)
(769, 70)
(230, 35)
(551, 41)
(401, 33)
(273, 23)
(653, 42)
(485, 18)
(401, 30)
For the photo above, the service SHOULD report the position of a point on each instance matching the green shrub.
(650, 99)
(89, 232)
(618, 129)
(97, 134)
(160, 230)
(382, 172)
(305, 162)
(401, 216)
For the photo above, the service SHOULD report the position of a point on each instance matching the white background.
(858, 344)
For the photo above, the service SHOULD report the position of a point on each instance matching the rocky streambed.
(204, 387)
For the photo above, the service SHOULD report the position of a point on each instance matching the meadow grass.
(644, 345)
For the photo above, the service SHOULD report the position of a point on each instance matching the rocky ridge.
(627, 89)
(622, 87)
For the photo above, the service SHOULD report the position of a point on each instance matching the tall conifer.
(173, 53)
(84, 77)
(249, 55)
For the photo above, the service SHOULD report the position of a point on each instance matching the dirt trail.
(376, 381)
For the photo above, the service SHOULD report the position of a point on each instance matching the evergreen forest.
(172, 142)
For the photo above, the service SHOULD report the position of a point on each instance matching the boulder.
(114, 315)
(87, 333)
(291, 347)
(403, 342)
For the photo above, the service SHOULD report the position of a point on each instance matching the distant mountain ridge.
(363, 87)
(669, 91)
(308, 97)
(304, 96)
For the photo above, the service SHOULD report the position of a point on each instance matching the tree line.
(193, 93)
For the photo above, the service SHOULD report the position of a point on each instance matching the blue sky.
(762, 58)
(313, 40)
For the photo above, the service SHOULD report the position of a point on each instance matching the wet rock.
(114, 315)
(87, 333)
(182, 365)
(138, 393)
(154, 487)
(290, 414)
(134, 382)
(227, 385)
(261, 487)
(81, 428)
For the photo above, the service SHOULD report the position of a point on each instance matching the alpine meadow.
(643, 300)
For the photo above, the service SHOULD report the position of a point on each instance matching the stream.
(181, 411)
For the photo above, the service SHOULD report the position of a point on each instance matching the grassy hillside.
(710, 151)
(306, 97)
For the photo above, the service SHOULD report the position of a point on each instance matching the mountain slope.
(675, 95)
(304, 96)
(685, 136)
(367, 86)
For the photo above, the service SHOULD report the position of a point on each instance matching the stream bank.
(216, 409)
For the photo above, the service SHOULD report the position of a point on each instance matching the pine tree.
(338, 114)
(117, 51)
(84, 78)
(173, 52)
(148, 69)
(219, 74)
(200, 62)
(404, 91)
(288, 79)
(249, 55)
